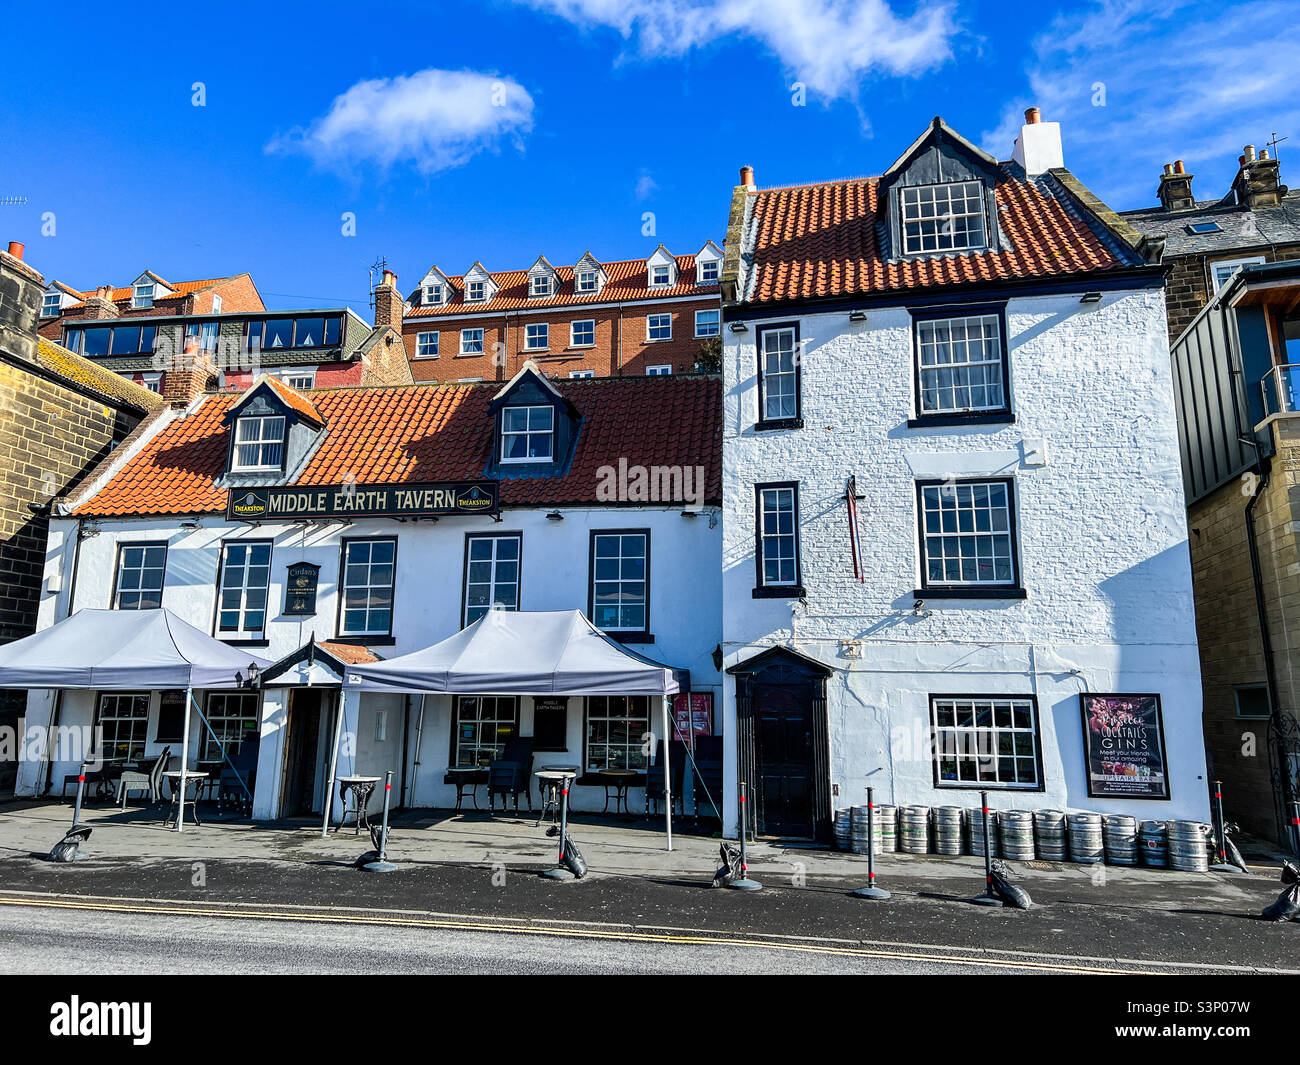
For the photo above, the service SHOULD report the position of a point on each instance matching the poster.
(1124, 738)
(692, 716)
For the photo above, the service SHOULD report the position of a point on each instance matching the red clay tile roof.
(291, 397)
(627, 281)
(422, 433)
(820, 241)
(180, 288)
(347, 652)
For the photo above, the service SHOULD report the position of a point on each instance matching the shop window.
(985, 742)
(123, 720)
(483, 725)
(233, 718)
(618, 732)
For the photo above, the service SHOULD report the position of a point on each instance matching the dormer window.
(586, 281)
(476, 291)
(259, 443)
(432, 295)
(539, 285)
(142, 294)
(939, 218)
(528, 434)
(709, 272)
(51, 305)
(660, 276)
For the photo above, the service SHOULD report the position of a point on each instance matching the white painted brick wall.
(1102, 542)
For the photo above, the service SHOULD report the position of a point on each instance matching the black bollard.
(871, 891)
(381, 864)
(988, 898)
(560, 872)
(68, 849)
(745, 883)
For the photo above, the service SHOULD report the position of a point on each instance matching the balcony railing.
(1281, 390)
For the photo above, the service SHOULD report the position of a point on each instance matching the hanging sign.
(362, 501)
(1124, 737)
(300, 588)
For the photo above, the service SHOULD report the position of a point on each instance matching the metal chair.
(503, 780)
(151, 781)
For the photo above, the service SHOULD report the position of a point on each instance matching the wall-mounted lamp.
(1090, 297)
(857, 316)
(254, 675)
(690, 513)
(739, 327)
(717, 658)
(555, 515)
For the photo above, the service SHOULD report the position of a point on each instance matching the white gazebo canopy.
(520, 652)
(108, 650)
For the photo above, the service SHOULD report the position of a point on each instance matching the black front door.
(783, 735)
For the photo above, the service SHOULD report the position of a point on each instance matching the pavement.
(474, 874)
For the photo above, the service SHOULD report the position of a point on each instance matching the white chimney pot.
(1038, 148)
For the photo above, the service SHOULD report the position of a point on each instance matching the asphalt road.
(40, 941)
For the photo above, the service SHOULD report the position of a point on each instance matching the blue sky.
(500, 130)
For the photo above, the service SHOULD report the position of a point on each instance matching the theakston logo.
(249, 504)
(474, 499)
(133, 1019)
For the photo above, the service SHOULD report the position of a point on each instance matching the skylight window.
(1204, 227)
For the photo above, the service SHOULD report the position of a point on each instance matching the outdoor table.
(550, 780)
(466, 776)
(179, 780)
(360, 789)
(620, 780)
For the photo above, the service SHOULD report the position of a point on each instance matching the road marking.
(468, 924)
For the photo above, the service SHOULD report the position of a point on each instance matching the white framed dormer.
(661, 270)
(435, 289)
(708, 264)
(479, 285)
(54, 299)
(543, 280)
(589, 277)
(147, 289)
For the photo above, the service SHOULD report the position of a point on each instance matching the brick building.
(1256, 221)
(60, 415)
(149, 328)
(659, 315)
(1239, 429)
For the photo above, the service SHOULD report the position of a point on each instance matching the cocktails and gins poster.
(1125, 742)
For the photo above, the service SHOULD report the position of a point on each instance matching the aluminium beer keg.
(1085, 838)
(1049, 835)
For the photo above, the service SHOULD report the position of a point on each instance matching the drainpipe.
(56, 711)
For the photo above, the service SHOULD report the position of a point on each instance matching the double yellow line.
(565, 931)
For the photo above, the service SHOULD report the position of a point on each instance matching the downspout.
(406, 743)
(56, 711)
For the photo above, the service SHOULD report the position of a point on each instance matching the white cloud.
(432, 119)
(1186, 79)
(828, 44)
(646, 186)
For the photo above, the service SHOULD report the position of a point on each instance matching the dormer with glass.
(543, 280)
(589, 277)
(479, 285)
(661, 269)
(536, 427)
(146, 289)
(272, 429)
(708, 264)
(435, 290)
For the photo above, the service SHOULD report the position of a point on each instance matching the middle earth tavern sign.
(362, 501)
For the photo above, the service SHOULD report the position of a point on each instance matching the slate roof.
(627, 281)
(1239, 228)
(430, 433)
(822, 241)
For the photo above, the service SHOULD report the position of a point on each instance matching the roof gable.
(282, 395)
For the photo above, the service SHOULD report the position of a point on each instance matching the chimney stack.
(1256, 183)
(101, 304)
(1175, 189)
(389, 304)
(190, 375)
(1038, 148)
(21, 290)
(747, 176)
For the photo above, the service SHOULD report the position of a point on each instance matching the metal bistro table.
(360, 789)
(551, 780)
(619, 780)
(179, 780)
(466, 776)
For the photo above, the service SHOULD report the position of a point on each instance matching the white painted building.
(308, 587)
(982, 352)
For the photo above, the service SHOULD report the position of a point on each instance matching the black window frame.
(363, 639)
(643, 635)
(1259, 687)
(586, 732)
(117, 572)
(763, 590)
(210, 750)
(457, 700)
(763, 422)
(927, 590)
(1000, 416)
(985, 785)
(242, 639)
(464, 571)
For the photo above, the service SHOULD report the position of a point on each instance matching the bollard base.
(745, 885)
(558, 873)
(379, 866)
(987, 900)
(870, 893)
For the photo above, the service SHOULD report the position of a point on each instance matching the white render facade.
(380, 729)
(1092, 462)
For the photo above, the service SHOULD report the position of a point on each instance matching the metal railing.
(1280, 388)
